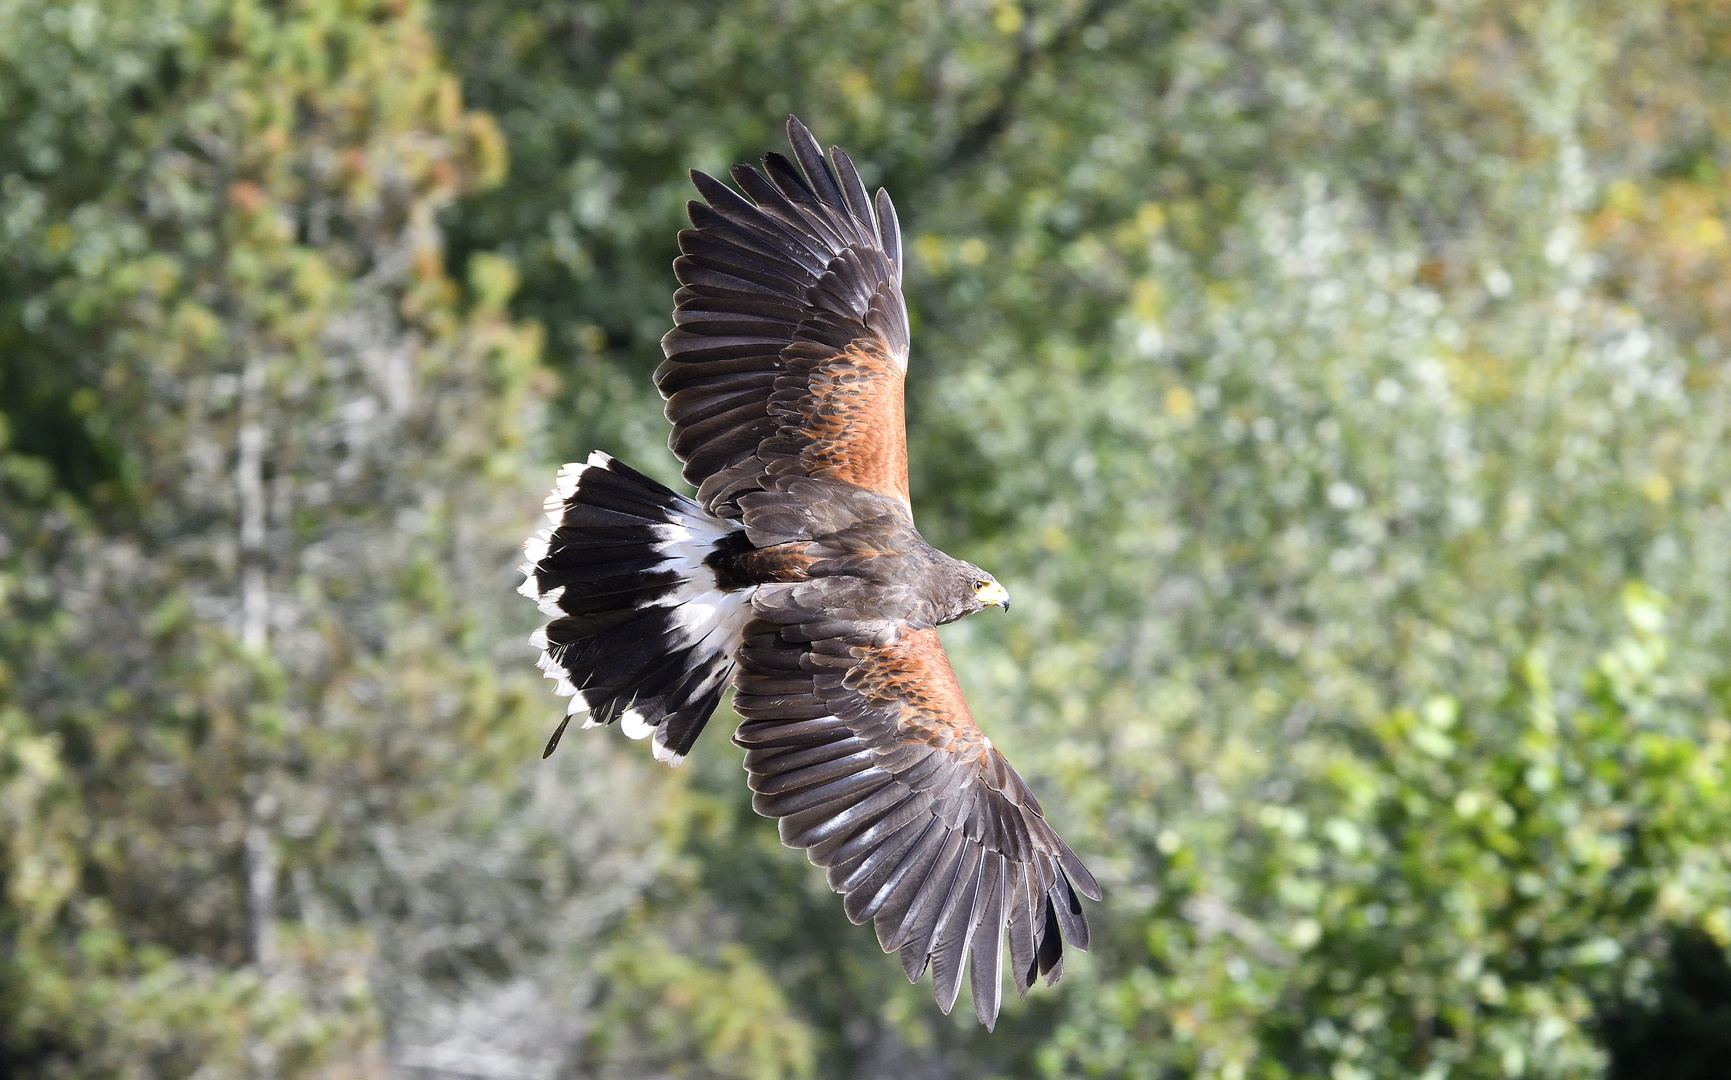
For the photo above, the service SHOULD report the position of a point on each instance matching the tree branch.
(979, 135)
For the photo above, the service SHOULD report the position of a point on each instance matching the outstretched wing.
(790, 336)
(864, 748)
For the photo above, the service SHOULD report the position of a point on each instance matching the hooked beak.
(996, 594)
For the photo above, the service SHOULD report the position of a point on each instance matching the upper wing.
(790, 336)
(866, 752)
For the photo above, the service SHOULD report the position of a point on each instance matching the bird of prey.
(797, 577)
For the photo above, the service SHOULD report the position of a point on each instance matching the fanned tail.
(642, 629)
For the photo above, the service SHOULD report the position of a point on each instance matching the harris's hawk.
(796, 575)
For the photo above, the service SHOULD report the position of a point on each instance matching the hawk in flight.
(796, 575)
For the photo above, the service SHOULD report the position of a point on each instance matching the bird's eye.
(978, 585)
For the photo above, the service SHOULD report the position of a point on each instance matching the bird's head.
(972, 589)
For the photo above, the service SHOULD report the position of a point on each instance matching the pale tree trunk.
(249, 480)
(261, 867)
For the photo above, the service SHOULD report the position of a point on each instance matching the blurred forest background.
(1341, 387)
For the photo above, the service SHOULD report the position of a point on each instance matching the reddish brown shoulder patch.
(853, 415)
(915, 673)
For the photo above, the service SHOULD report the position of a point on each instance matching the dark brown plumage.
(798, 576)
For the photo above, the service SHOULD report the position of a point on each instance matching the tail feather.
(641, 630)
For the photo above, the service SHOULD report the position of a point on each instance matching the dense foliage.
(1340, 389)
(257, 445)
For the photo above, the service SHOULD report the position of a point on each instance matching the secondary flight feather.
(797, 576)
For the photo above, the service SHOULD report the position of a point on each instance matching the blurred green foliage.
(1340, 388)
(235, 360)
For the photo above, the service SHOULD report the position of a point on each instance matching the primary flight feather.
(797, 576)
